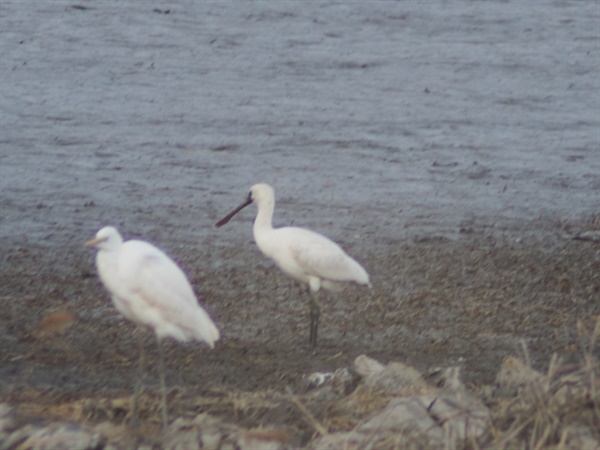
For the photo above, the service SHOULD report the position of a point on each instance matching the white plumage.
(302, 254)
(148, 288)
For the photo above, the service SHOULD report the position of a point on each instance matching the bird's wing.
(167, 296)
(161, 281)
(321, 257)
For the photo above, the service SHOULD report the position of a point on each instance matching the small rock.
(54, 436)
(448, 378)
(207, 432)
(393, 377)
(433, 420)
(318, 379)
(344, 381)
(514, 374)
(366, 366)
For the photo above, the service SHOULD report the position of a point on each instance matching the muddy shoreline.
(435, 303)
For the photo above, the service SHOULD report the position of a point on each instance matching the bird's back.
(156, 293)
(303, 253)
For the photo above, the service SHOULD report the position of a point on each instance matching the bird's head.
(259, 193)
(106, 238)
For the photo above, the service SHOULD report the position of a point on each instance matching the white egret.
(148, 288)
(304, 255)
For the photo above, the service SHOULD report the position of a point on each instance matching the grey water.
(385, 119)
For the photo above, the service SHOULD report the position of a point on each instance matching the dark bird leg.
(138, 382)
(163, 386)
(315, 313)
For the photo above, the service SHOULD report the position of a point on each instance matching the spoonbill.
(149, 289)
(302, 254)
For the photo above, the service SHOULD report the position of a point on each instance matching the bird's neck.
(264, 218)
(107, 263)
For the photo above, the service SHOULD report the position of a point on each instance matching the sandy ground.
(452, 148)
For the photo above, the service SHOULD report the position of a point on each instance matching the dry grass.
(560, 410)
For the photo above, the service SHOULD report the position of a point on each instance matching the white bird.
(304, 255)
(148, 288)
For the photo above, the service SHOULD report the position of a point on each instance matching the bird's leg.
(138, 381)
(163, 386)
(315, 312)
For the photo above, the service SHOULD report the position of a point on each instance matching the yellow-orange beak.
(94, 242)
